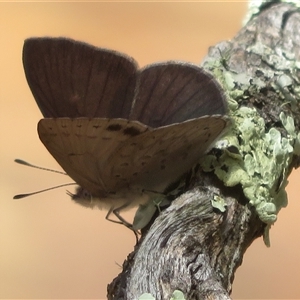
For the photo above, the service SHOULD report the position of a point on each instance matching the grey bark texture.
(191, 246)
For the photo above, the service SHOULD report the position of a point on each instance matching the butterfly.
(120, 132)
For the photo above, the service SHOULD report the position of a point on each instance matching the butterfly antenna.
(25, 163)
(20, 196)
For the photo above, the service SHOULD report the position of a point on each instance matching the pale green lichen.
(219, 203)
(177, 295)
(146, 296)
(252, 156)
(261, 163)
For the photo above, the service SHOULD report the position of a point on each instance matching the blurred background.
(53, 248)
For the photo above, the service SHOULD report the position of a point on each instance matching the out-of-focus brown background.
(53, 248)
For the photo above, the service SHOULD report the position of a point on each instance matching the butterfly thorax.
(126, 198)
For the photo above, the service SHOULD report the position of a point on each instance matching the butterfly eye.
(82, 197)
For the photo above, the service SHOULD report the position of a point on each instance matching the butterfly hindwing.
(174, 92)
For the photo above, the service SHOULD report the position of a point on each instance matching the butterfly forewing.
(73, 79)
(83, 147)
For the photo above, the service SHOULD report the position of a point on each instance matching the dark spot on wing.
(132, 131)
(114, 127)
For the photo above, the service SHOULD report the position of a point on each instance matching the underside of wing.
(73, 79)
(174, 92)
(159, 157)
(84, 148)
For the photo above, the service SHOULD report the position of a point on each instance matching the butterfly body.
(120, 132)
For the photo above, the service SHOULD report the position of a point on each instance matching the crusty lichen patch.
(254, 156)
(261, 164)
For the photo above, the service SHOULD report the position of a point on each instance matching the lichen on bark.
(261, 78)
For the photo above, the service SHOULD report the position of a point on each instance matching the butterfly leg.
(116, 212)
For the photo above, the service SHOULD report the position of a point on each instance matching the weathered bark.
(191, 246)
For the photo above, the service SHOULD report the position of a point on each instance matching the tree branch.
(197, 243)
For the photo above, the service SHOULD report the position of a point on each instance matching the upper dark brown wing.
(74, 79)
(174, 92)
